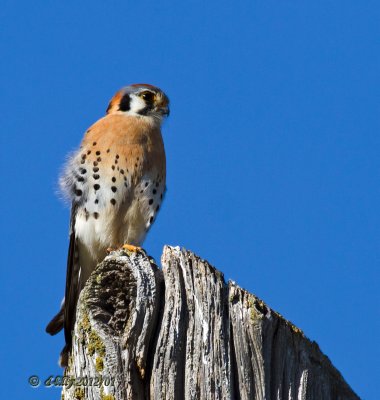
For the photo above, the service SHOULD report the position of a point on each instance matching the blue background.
(272, 148)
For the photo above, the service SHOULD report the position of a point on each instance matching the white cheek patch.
(136, 104)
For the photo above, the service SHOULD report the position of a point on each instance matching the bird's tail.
(56, 324)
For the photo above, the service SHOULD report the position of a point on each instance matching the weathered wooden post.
(183, 333)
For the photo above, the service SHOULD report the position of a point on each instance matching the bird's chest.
(116, 198)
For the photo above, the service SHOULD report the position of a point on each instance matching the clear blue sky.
(272, 146)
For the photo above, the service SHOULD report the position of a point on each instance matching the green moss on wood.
(99, 365)
(95, 344)
(79, 393)
(289, 324)
(107, 397)
(89, 336)
(256, 308)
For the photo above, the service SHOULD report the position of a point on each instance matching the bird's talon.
(132, 248)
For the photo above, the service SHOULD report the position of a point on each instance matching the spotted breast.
(116, 183)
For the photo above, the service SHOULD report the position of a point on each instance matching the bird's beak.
(165, 110)
(162, 105)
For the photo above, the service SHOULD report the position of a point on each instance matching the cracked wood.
(184, 333)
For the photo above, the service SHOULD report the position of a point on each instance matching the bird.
(115, 182)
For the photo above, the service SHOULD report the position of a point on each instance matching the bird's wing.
(65, 318)
(72, 288)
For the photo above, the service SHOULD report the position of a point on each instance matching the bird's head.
(140, 100)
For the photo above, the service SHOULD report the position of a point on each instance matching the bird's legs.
(131, 247)
(128, 247)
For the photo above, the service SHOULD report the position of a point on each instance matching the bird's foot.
(110, 250)
(131, 248)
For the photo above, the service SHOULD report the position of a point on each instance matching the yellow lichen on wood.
(99, 365)
(79, 393)
(105, 396)
(255, 312)
(289, 324)
(95, 344)
(89, 336)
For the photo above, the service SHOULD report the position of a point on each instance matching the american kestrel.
(115, 183)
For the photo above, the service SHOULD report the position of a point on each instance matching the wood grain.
(184, 333)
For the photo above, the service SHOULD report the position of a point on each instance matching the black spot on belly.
(95, 163)
(82, 171)
(113, 201)
(99, 159)
(78, 192)
(154, 191)
(96, 201)
(94, 144)
(95, 169)
(96, 176)
(114, 188)
(80, 179)
(96, 215)
(157, 208)
(122, 171)
(146, 184)
(96, 186)
(89, 152)
(117, 156)
(150, 202)
(98, 153)
(151, 220)
(113, 179)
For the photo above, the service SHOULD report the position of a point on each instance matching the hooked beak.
(164, 111)
(162, 105)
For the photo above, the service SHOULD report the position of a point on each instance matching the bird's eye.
(147, 96)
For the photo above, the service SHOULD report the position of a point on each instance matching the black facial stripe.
(149, 103)
(125, 103)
